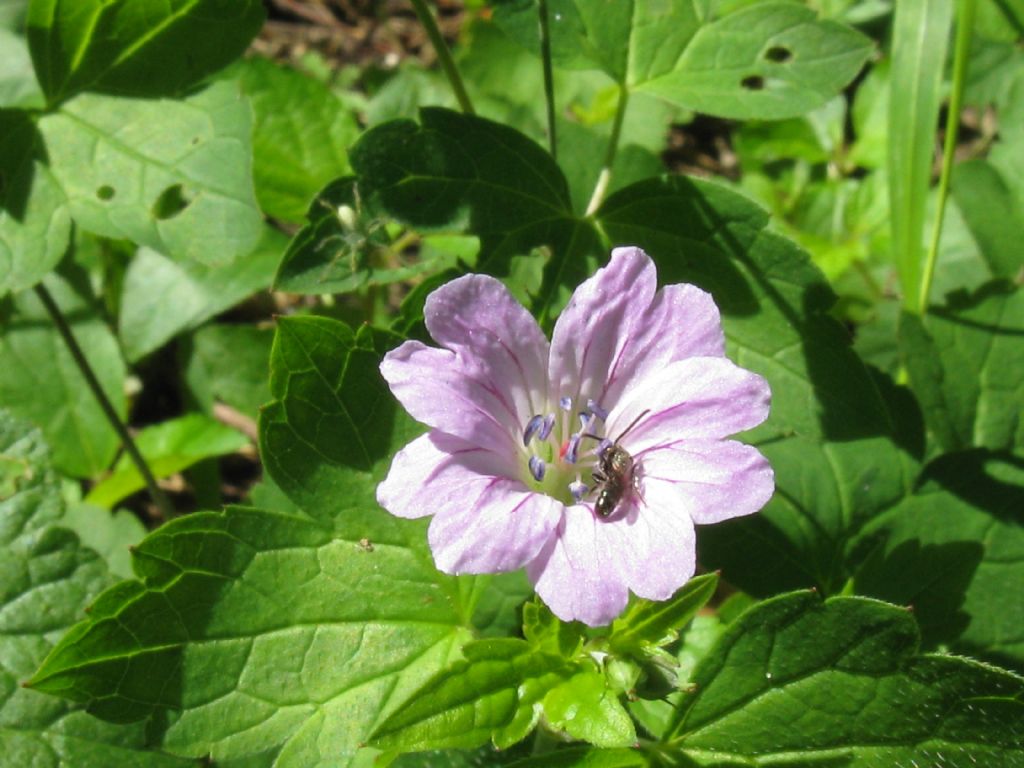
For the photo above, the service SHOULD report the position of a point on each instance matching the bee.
(615, 473)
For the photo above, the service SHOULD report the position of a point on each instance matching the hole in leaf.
(170, 203)
(778, 53)
(752, 82)
(106, 192)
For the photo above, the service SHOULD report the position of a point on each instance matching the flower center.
(562, 448)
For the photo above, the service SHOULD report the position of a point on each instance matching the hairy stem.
(443, 55)
(158, 496)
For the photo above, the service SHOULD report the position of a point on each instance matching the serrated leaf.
(138, 49)
(329, 435)
(649, 623)
(35, 225)
(264, 631)
(464, 705)
(45, 578)
(966, 362)
(798, 681)
(301, 134)
(40, 381)
(768, 61)
(168, 447)
(955, 552)
(162, 297)
(829, 436)
(174, 175)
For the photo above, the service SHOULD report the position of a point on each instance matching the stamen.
(578, 490)
(595, 407)
(537, 468)
(532, 427)
(572, 449)
(584, 420)
(565, 403)
(545, 430)
(603, 446)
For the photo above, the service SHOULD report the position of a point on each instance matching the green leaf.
(254, 632)
(546, 632)
(798, 681)
(331, 431)
(110, 534)
(168, 447)
(45, 578)
(649, 623)
(135, 49)
(587, 708)
(35, 225)
(497, 612)
(40, 381)
(992, 212)
(345, 246)
(464, 705)
(954, 551)
(161, 297)
(829, 436)
(301, 134)
(18, 86)
(229, 363)
(920, 38)
(768, 61)
(965, 362)
(172, 175)
(585, 758)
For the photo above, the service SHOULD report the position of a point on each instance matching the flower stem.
(961, 51)
(605, 177)
(444, 56)
(158, 496)
(549, 79)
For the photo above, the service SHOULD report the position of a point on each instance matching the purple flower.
(634, 385)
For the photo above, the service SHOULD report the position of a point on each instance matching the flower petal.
(436, 472)
(577, 573)
(708, 480)
(495, 339)
(439, 390)
(594, 328)
(499, 527)
(682, 321)
(701, 397)
(656, 546)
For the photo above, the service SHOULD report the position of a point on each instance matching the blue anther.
(545, 430)
(572, 451)
(565, 403)
(578, 490)
(532, 427)
(595, 408)
(537, 468)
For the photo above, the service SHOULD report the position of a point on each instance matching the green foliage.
(139, 155)
(134, 49)
(167, 448)
(170, 174)
(46, 577)
(798, 681)
(39, 380)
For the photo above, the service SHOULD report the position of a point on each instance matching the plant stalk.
(158, 496)
(549, 78)
(961, 57)
(605, 177)
(444, 55)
